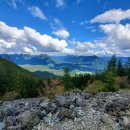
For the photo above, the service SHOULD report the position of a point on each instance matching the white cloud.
(62, 33)
(98, 48)
(13, 3)
(57, 24)
(28, 50)
(59, 29)
(118, 35)
(37, 12)
(60, 3)
(84, 23)
(114, 15)
(28, 40)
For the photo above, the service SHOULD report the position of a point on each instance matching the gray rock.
(66, 113)
(44, 104)
(28, 119)
(75, 110)
(80, 102)
(10, 121)
(1, 115)
(2, 126)
(18, 127)
(61, 100)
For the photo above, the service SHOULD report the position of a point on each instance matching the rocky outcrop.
(69, 111)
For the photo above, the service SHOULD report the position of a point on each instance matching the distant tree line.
(114, 68)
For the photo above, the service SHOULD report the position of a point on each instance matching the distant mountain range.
(53, 65)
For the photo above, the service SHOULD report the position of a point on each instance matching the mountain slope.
(15, 78)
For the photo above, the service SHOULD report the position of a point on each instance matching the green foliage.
(15, 78)
(95, 87)
(99, 76)
(110, 82)
(111, 65)
(120, 69)
(81, 81)
(67, 82)
(129, 74)
(123, 85)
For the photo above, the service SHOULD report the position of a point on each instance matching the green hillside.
(15, 78)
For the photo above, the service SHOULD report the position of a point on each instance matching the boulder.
(28, 119)
(10, 121)
(2, 126)
(61, 100)
(80, 102)
(44, 104)
(66, 113)
(18, 127)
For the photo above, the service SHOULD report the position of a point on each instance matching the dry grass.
(9, 96)
(52, 89)
(122, 82)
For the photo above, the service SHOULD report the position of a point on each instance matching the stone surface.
(28, 118)
(2, 126)
(69, 111)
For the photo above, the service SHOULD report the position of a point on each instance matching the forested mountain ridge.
(15, 78)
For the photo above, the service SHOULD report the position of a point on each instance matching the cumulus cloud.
(37, 12)
(60, 3)
(112, 43)
(90, 48)
(114, 15)
(28, 40)
(62, 33)
(117, 34)
(58, 29)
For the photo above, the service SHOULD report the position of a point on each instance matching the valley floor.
(69, 111)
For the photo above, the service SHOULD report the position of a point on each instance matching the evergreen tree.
(128, 72)
(112, 65)
(120, 69)
(110, 82)
(67, 79)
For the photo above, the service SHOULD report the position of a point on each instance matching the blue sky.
(77, 27)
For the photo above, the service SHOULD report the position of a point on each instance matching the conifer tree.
(67, 79)
(112, 65)
(120, 68)
(128, 73)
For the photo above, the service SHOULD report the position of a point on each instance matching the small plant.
(10, 96)
(95, 87)
(123, 85)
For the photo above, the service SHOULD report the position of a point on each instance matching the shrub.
(122, 82)
(51, 89)
(95, 87)
(9, 96)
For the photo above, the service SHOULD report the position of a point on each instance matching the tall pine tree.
(120, 68)
(112, 65)
(67, 79)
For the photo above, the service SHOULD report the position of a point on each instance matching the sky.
(65, 27)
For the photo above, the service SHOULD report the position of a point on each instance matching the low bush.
(10, 96)
(95, 87)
